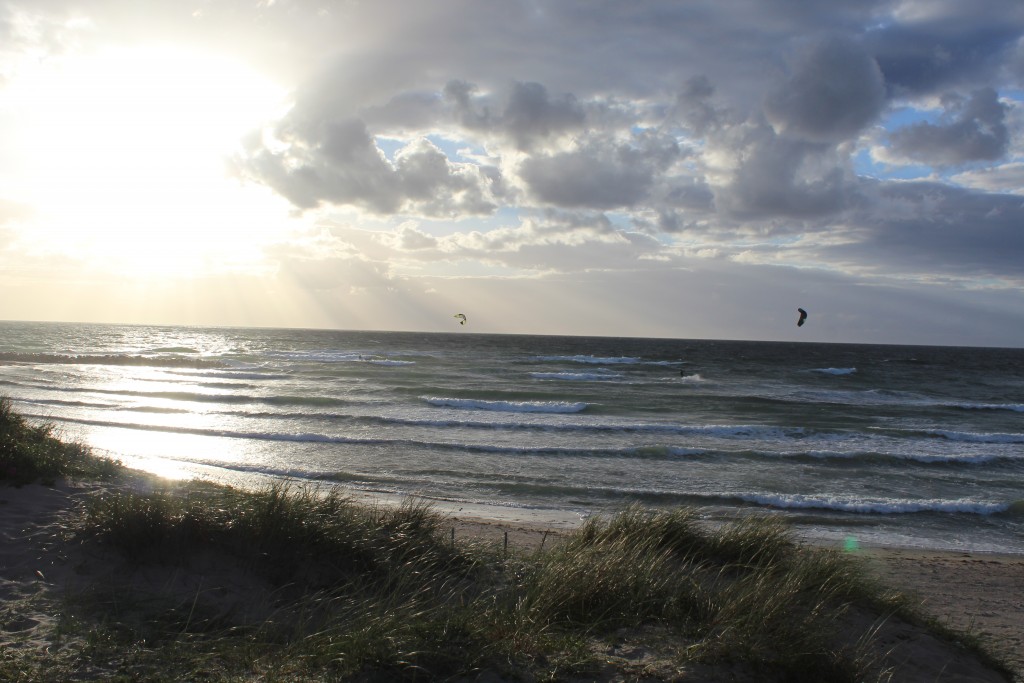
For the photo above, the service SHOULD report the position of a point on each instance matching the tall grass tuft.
(32, 453)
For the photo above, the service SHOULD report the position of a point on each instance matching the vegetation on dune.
(286, 584)
(32, 453)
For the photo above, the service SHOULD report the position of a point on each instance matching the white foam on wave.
(1015, 407)
(507, 406)
(232, 374)
(597, 360)
(835, 371)
(338, 357)
(577, 376)
(875, 505)
(604, 360)
(976, 437)
(927, 458)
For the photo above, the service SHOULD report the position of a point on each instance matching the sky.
(651, 168)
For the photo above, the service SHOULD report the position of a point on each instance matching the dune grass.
(31, 453)
(302, 584)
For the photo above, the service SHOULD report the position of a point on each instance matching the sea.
(856, 445)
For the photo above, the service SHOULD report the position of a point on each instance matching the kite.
(461, 317)
(803, 317)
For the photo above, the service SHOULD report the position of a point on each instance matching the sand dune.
(39, 563)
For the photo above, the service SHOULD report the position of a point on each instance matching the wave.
(872, 456)
(577, 376)
(222, 398)
(835, 371)
(109, 359)
(884, 506)
(788, 502)
(64, 403)
(645, 452)
(604, 360)
(507, 406)
(722, 431)
(304, 437)
(337, 357)
(232, 375)
(975, 437)
(1015, 407)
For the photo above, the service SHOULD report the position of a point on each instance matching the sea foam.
(507, 406)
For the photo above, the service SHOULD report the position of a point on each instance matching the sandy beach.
(983, 594)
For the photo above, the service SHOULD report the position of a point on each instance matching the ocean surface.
(865, 444)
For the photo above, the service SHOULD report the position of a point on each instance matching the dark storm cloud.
(950, 45)
(694, 106)
(975, 130)
(835, 89)
(927, 227)
(782, 177)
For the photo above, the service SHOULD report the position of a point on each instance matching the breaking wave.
(508, 406)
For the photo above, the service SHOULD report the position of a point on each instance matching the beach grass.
(31, 452)
(288, 583)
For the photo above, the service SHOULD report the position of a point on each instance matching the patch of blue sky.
(389, 146)
(457, 150)
(906, 116)
(866, 165)
(620, 221)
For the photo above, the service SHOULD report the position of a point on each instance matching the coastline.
(975, 592)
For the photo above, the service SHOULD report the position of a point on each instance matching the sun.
(123, 158)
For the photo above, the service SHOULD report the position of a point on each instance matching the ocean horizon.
(910, 446)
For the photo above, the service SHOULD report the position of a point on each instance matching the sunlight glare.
(127, 155)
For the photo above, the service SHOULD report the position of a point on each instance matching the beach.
(982, 593)
(897, 446)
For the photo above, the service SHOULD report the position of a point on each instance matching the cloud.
(834, 90)
(1005, 178)
(928, 229)
(600, 174)
(532, 115)
(778, 176)
(409, 238)
(928, 48)
(340, 163)
(974, 129)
